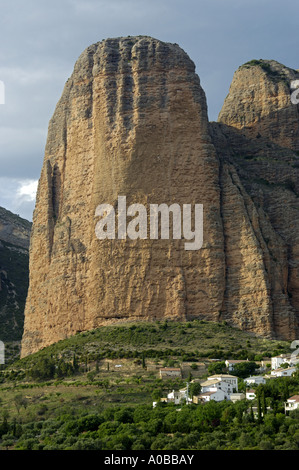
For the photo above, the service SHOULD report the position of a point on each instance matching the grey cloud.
(40, 42)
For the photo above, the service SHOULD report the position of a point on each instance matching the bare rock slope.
(132, 120)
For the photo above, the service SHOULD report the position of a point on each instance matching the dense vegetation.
(222, 425)
(95, 391)
(186, 340)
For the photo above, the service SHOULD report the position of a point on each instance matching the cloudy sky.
(41, 40)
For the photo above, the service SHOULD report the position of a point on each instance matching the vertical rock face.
(132, 121)
(259, 102)
(258, 133)
(267, 181)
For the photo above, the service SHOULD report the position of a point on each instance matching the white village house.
(212, 390)
(230, 364)
(216, 395)
(177, 397)
(225, 387)
(208, 385)
(229, 383)
(284, 372)
(277, 361)
(250, 395)
(269, 377)
(255, 380)
(218, 388)
(292, 403)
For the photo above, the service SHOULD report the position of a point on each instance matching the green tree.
(244, 440)
(259, 407)
(227, 415)
(244, 369)
(263, 402)
(216, 368)
(195, 388)
(75, 363)
(157, 394)
(251, 413)
(7, 441)
(91, 375)
(20, 401)
(143, 361)
(266, 444)
(286, 393)
(4, 427)
(43, 369)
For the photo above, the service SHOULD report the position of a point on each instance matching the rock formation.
(267, 181)
(259, 103)
(14, 229)
(14, 275)
(258, 134)
(132, 120)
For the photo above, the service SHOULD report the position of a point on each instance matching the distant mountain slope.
(14, 273)
(14, 229)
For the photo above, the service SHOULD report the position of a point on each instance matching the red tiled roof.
(294, 397)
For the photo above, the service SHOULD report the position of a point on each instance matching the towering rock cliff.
(267, 177)
(132, 121)
(14, 275)
(258, 134)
